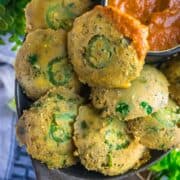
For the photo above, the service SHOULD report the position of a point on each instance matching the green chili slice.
(147, 108)
(60, 16)
(59, 72)
(99, 52)
(59, 134)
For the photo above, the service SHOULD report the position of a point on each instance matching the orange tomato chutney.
(162, 17)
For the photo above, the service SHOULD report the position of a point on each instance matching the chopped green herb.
(84, 125)
(12, 21)
(59, 97)
(147, 108)
(33, 59)
(123, 109)
(64, 116)
(58, 134)
(109, 160)
(123, 145)
(111, 134)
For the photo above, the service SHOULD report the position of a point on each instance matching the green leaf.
(2, 42)
(9, 19)
(168, 167)
(15, 47)
(2, 10)
(3, 25)
(4, 2)
(123, 109)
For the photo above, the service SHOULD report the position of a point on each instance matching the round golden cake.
(147, 94)
(103, 145)
(54, 14)
(107, 48)
(42, 63)
(46, 128)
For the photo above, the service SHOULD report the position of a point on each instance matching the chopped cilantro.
(109, 159)
(33, 59)
(123, 109)
(59, 97)
(122, 146)
(67, 116)
(147, 108)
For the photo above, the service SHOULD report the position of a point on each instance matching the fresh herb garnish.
(147, 108)
(58, 134)
(109, 160)
(123, 145)
(116, 135)
(33, 59)
(59, 97)
(12, 21)
(123, 109)
(168, 167)
(67, 116)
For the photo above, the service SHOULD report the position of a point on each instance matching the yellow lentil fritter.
(147, 94)
(42, 63)
(107, 48)
(159, 130)
(46, 128)
(54, 14)
(171, 70)
(103, 145)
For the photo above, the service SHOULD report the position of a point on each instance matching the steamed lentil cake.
(46, 128)
(147, 94)
(171, 70)
(54, 14)
(159, 130)
(42, 63)
(103, 145)
(107, 48)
